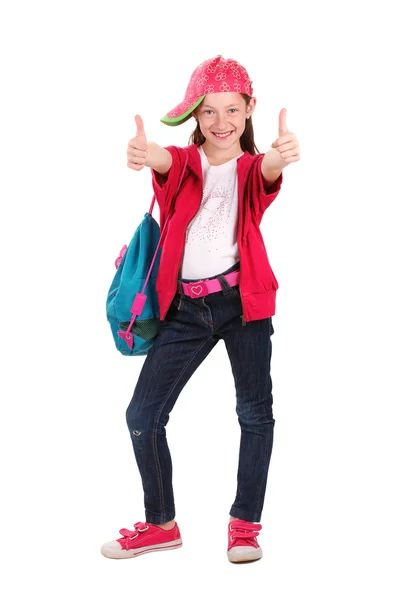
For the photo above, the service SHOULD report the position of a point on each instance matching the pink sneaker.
(146, 537)
(242, 543)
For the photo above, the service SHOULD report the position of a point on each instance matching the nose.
(220, 122)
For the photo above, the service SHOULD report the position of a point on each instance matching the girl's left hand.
(286, 144)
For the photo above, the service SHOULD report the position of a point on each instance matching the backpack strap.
(176, 193)
(166, 222)
(140, 297)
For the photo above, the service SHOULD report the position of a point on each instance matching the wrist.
(158, 158)
(274, 161)
(271, 166)
(151, 152)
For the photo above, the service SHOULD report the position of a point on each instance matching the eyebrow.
(229, 105)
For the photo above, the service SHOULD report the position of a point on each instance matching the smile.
(223, 135)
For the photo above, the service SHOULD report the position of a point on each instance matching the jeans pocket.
(173, 307)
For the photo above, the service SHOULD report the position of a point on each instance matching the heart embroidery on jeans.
(197, 287)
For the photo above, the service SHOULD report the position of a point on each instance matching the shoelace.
(244, 530)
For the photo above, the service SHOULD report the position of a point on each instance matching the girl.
(214, 282)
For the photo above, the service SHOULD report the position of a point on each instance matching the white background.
(73, 75)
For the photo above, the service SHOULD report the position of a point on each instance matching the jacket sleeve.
(262, 193)
(165, 186)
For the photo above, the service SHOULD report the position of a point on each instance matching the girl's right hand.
(137, 147)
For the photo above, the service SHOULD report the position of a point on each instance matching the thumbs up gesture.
(137, 147)
(286, 145)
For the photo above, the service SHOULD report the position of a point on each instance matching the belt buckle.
(198, 289)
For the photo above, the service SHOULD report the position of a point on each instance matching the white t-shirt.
(211, 237)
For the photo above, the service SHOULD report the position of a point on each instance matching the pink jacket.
(257, 282)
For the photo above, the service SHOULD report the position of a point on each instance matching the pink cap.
(213, 75)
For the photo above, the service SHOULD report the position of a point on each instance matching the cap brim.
(181, 118)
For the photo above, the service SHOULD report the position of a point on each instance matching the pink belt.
(197, 289)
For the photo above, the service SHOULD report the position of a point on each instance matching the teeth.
(222, 134)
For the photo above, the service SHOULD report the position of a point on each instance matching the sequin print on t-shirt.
(211, 236)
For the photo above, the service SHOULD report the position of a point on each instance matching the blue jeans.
(191, 329)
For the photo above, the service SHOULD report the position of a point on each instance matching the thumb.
(283, 128)
(140, 127)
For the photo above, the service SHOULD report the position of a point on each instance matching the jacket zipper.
(244, 238)
(183, 249)
(241, 297)
(244, 241)
(176, 279)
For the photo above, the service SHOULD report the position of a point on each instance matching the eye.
(208, 110)
(234, 109)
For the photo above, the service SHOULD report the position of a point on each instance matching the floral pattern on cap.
(213, 75)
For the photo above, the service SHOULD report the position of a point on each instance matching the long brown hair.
(246, 139)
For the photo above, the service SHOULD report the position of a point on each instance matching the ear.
(250, 108)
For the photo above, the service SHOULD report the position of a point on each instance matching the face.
(222, 118)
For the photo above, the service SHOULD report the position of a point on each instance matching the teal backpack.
(134, 316)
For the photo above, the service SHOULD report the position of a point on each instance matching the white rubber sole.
(244, 554)
(114, 550)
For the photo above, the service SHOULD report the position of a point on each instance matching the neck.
(217, 156)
